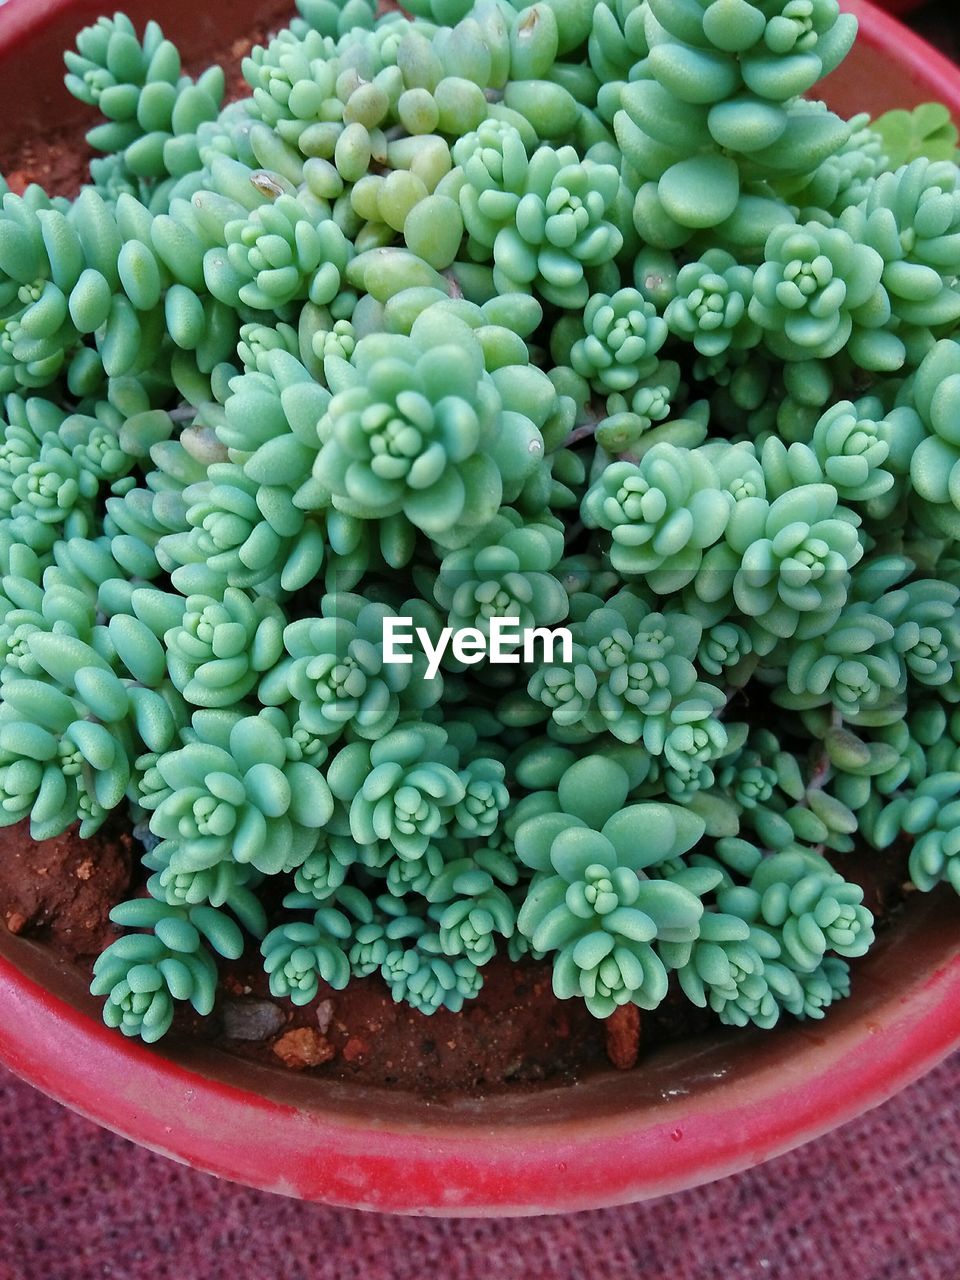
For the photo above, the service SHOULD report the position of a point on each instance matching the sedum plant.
(587, 317)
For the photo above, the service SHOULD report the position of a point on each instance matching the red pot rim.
(693, 1112)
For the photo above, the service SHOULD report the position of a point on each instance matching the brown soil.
(61, 891)
(515, 1031)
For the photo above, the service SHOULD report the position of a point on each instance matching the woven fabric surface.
(876, 1200)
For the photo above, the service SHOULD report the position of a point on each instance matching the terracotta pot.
(691, 1113)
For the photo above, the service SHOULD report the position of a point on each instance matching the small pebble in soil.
(324, 1015)
(251, 1019)
(355, 1049)
(623, 1036)
(303, 1047)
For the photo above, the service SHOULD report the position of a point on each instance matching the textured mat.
(877, 1200)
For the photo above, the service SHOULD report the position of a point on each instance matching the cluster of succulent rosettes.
(334, 678)
(715, 106)
(774, 944)
(82, 698)
(418, 426)
(575, 314)
(632, 675)
(152, 111)
(55, 466)
(507, 571)
(808, 907)
(911, 217)
(408, 790)
(589, 900)
(785, 564)
(418, 970)
(297, 955)
(237, 790)
(142, 975)
(863, 665)
(82, 301)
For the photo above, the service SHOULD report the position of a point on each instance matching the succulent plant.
(505, 572)
(661, 513)
(589, 316)
(238, 792)
(786, 563)
(298, 954)
(560, 227)
(816, 290)
(623, 334)
(710, 307)
(335, 676)
(403, 789)
(588, 900)
(417, 429)
(142, 974)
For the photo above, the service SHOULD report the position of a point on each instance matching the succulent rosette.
(297, 955)
(786, 563)
(622, 338)
(931, 816)
(661, 513)
(217, 652)
(403, 789)
(560, 228)
(855, 667)
(816, 289)
(590, 901)
(494, 162)
(710, 308)
(335, 676)
(419, 428)
(280, 251)
(808, 906)
(144, 973)
(506, 572)
(238, 792)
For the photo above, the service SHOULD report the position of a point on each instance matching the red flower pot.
(691, 1113)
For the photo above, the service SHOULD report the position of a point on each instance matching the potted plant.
(597, 821)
